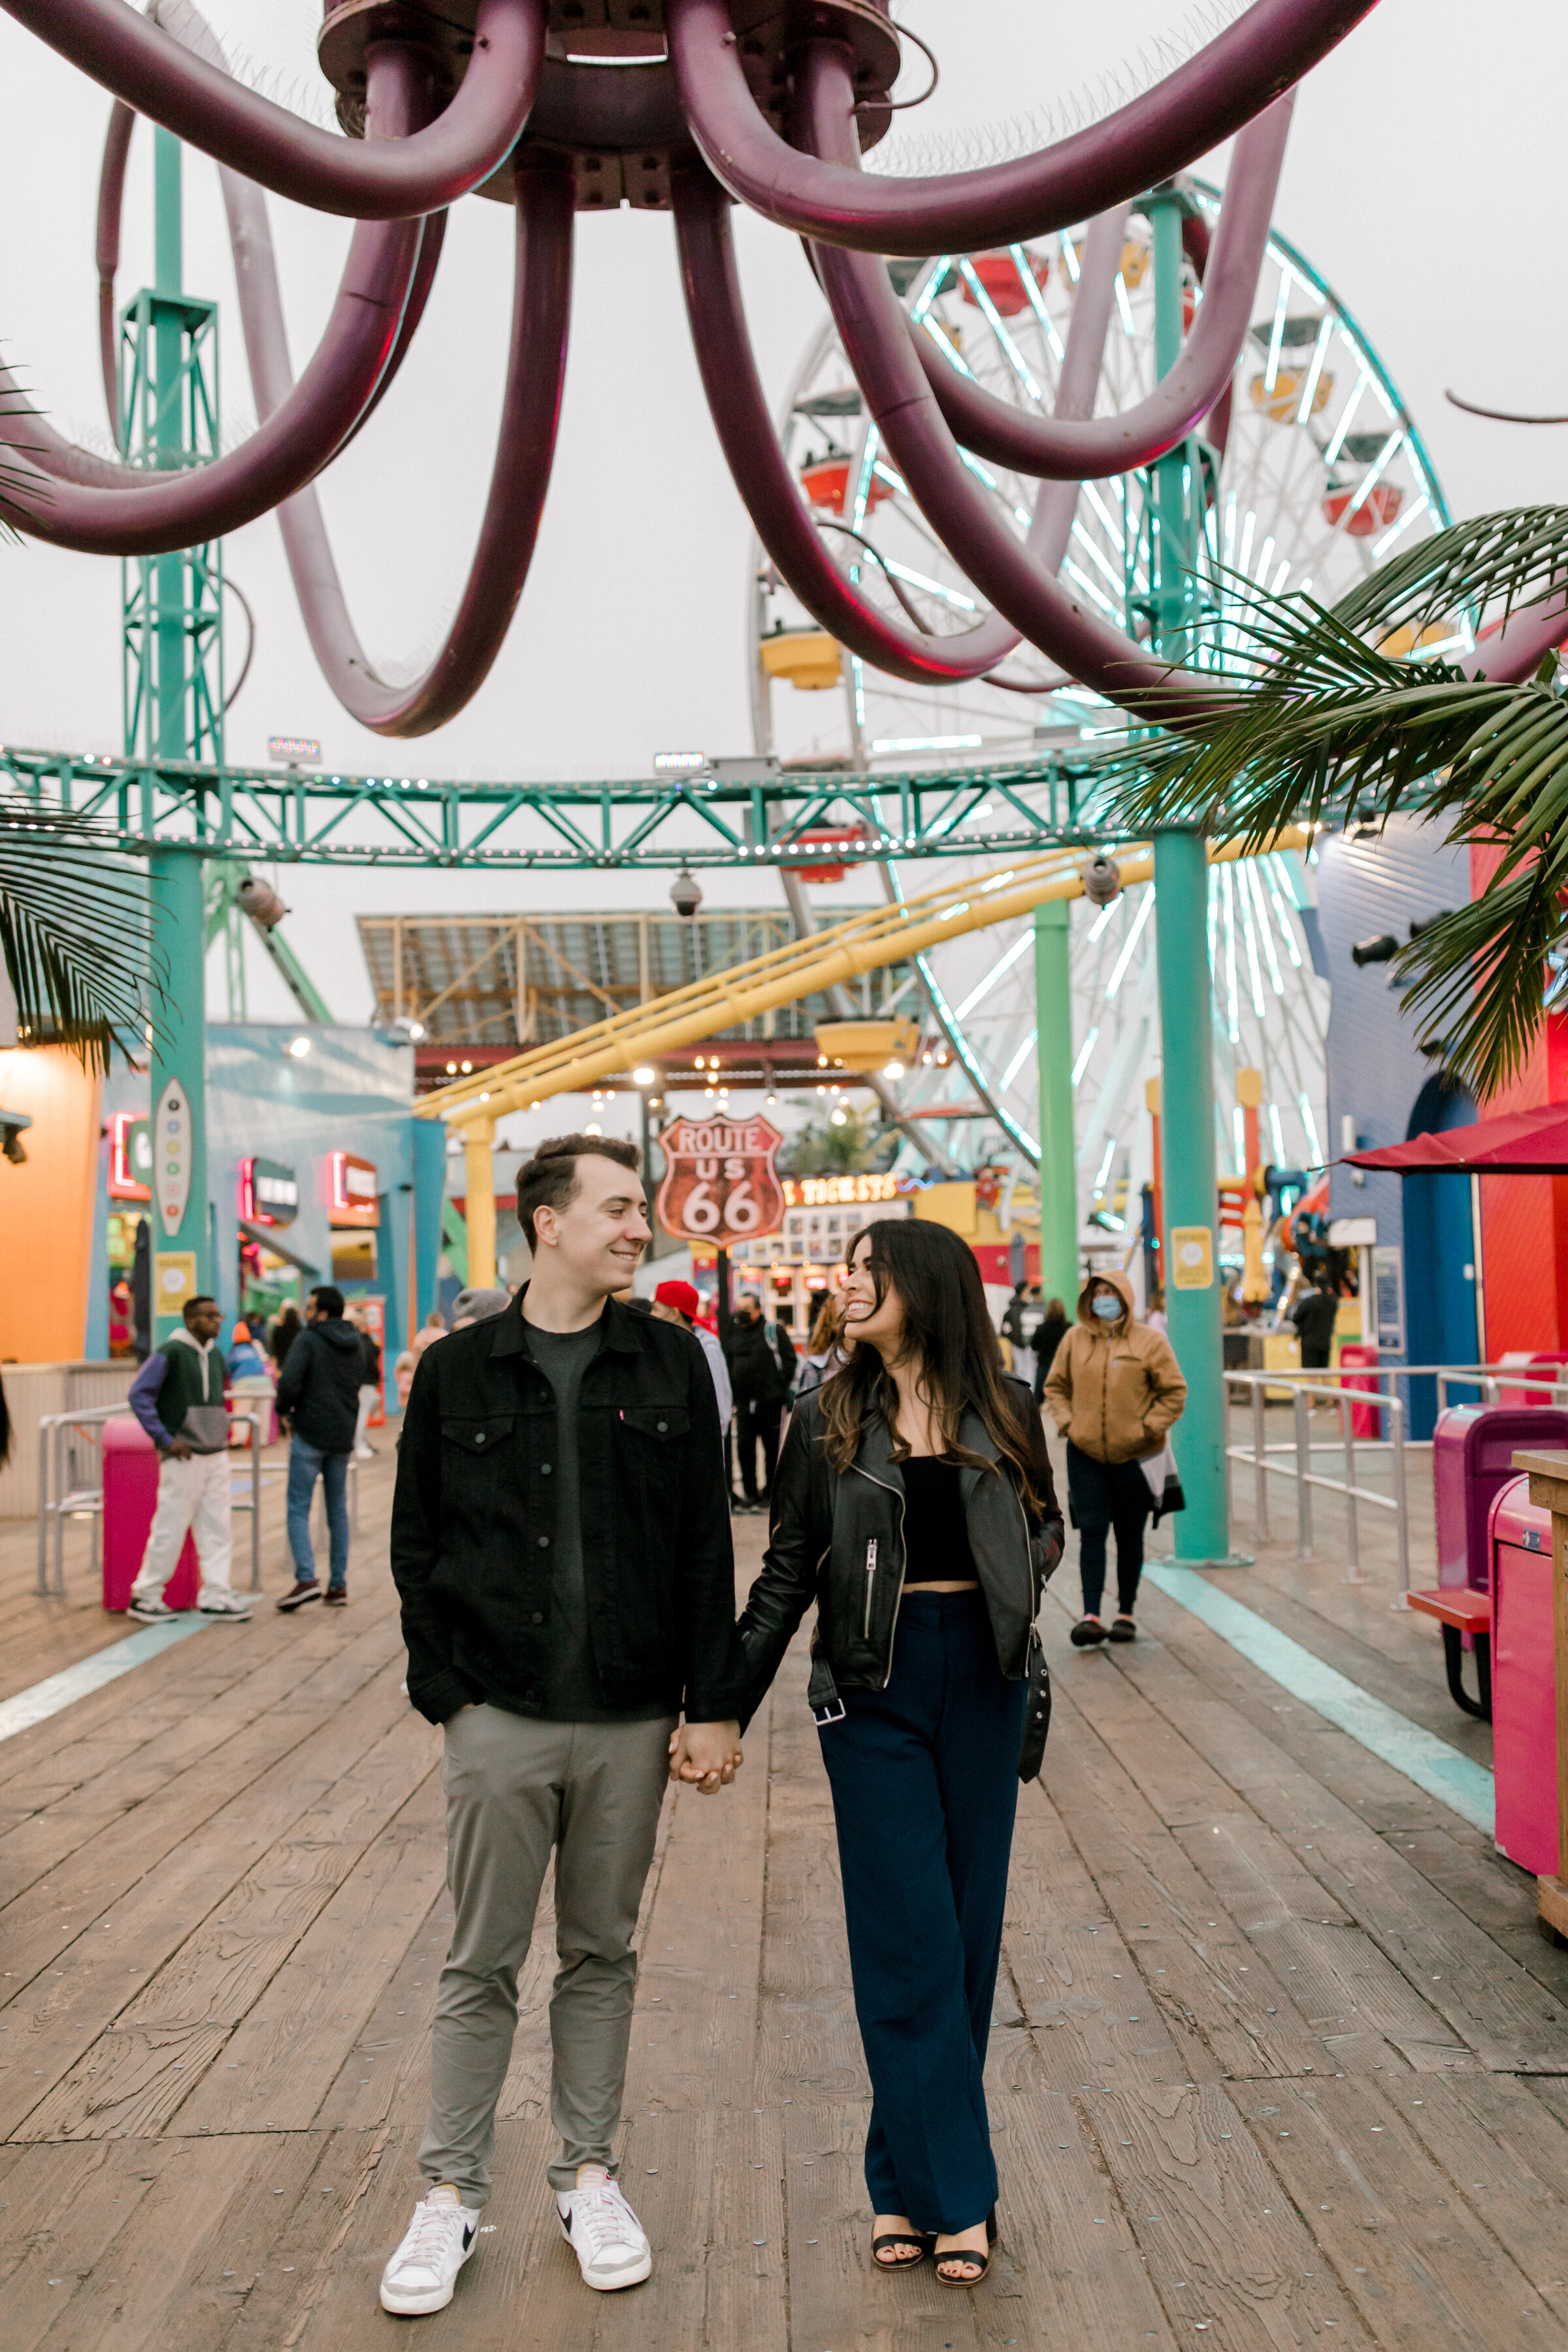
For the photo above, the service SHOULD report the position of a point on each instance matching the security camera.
(684, 896)
(261, 902)
(1382, 950)
(1101, 879)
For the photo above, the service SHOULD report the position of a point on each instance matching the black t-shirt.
(936, 1530)
(572, 1693)
(1314, 1316)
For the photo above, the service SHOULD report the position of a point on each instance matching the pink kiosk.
(129, 1499)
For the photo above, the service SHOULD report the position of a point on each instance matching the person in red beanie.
(677, 1302)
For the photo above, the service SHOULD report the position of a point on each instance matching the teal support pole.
(1189, 1245)
(179, 1084)
(1053, 1051)
(182, 1251)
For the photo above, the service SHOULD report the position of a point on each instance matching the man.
(178, 1398)
(761, 1355)
(560, 1540)
(1314, 1315)
(318, 1404)
(677, 1302)
(369, 1384)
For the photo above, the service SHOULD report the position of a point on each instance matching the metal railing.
(58, 1501)
(1351, 1389)
(1294, 1460)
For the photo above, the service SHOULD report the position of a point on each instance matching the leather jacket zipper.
(897, 1493)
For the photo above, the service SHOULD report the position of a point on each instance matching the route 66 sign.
(720, 1184)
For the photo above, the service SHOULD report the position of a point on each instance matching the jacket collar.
(874, 1455)
(620, 1333)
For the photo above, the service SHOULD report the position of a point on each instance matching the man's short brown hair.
(550, 1179)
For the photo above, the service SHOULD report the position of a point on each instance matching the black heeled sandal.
(967, 2254)
(922, 2240)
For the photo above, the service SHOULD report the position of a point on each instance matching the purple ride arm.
(1066, 450)
(203, 105)
(119, 511)
(875, 334)
(1238, 74)
(536, 367)
(772, 496)
(111, 203)
(63, 458)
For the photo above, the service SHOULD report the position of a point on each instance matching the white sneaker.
(603, 2232)
(439, 2240)
(150, 1607)
(218, 1601)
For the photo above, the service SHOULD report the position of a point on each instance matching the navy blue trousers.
(925, 1786)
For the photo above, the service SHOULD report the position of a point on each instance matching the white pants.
(367, 1397)
(193, 1497)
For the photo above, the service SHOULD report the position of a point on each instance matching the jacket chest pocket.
(469, 1442)
(649, 1443)
(661, 1424)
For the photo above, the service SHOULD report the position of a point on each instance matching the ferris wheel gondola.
(1313, 472)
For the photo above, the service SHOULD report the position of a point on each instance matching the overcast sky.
(1423, 181)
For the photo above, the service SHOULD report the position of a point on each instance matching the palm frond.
(1320, 724)
(74, 930)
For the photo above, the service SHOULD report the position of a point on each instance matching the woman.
(284, 1333)
(1054, 1328)
(825, 1352)
(914, 1503)
(1115, 1392)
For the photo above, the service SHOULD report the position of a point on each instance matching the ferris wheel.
(1320, 474)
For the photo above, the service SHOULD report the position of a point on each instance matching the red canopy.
(1520, 1143)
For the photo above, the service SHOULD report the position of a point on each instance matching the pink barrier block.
(1366, 1419)
(129, 1499)
(1524, 1681)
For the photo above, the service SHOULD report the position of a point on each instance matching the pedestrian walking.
(318, 1404)
(678, 1302)
(1314, 1316)
(433, 1328)
(178, 1398)
(285, 1330)
(761, 1357)
(1054, 1328)
(825, 1350)
(914, 1506)
(369, 1386)
(561, 1541)
(1115, 1392)
(1017, 1327)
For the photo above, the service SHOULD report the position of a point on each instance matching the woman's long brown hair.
(948, 1330)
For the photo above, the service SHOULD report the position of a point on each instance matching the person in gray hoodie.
(318, 1403)
(178, 1398)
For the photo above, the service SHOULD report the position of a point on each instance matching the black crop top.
(936, 1535)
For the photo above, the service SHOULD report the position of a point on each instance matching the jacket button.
(478, 1437)
(544, 1543)
(538, 1616)
(663, 1428)
(544, 1469)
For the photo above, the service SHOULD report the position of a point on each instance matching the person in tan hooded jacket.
(1115, 1392)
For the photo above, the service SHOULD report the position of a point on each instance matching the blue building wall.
(1379, 1079)
(352, 1092)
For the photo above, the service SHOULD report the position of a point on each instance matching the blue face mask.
(1110, 1310)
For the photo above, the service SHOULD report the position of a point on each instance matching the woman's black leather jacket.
(837, 1540)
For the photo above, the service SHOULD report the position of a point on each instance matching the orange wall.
(46, 1206)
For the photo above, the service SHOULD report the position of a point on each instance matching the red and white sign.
(356, 1184)
(720, 1183)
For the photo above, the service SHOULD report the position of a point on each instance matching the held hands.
(708, 1754)
(181, 1449)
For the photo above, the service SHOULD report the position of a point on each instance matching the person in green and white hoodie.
(177, 1397)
